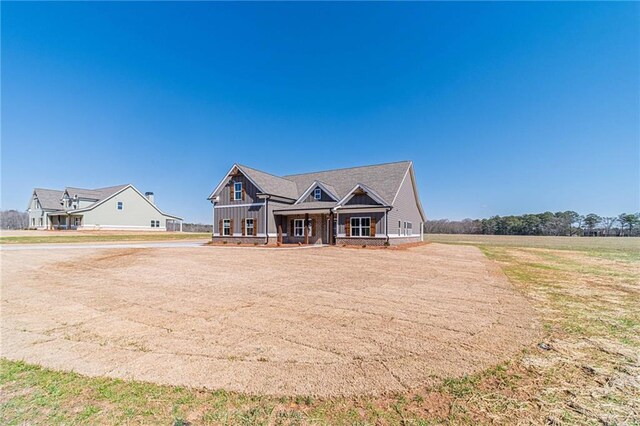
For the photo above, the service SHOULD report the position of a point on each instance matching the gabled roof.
(330, 190)
(385, 179)
(370, 192)
(265, 182)
(270, 184)
(381, 180)
(93, 194)
(49, 198)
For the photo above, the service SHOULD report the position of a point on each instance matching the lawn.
(55, 237)
(584, 370)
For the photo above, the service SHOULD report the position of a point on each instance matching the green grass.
(75, 238)
(586, 297)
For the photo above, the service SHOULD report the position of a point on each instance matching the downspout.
(386, 224)
(213, 217)
(266, 220)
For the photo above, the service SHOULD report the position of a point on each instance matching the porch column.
(306, 228)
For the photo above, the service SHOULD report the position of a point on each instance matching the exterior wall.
(405, 209)
(255, 211)
(344, 216)
(250, 196)
(324, 197)
(37, 214)
(275, 221)
(85, 203)
(320, 235)
(136, 214)
(362, 199)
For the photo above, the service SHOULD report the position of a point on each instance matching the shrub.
(364, 246)
(386, 244)
(255, 243)
(238, 242)
(224, 242)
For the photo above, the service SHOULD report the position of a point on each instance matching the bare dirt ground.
(326, 321)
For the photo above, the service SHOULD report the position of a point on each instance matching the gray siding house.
(370, 205)
(120, 207)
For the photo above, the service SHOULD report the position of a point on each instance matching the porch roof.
(316, 206)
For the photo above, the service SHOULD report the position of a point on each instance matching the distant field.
(40, 237)
(559, 243)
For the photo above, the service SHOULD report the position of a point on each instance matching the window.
(298, 228)
(119, 205)
(226, 227)
(317, 193)
(33, 221)
(237, 190)
(249, 226)
(76, 221)
(153, 223)
(157, 224)
(40, 220)
(399, 228)
(409, 228)
(360, 226)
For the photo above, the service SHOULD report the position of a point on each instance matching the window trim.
(246, 225)
(236, 191)
(120, 205)
(317, 193)
(360, 227)
(409, 229)
(226, 225)
(296, 227)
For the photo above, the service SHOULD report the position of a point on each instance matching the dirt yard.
(325, 321)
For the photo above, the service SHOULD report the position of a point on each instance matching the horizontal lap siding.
(405, 209)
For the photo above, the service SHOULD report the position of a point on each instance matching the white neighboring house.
(120, 207)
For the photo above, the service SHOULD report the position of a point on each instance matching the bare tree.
(13, 219)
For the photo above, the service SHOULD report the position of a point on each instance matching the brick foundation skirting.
(242, 240)
(355, 241)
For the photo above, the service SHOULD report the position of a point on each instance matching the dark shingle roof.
(384, 179)
(49, 198)
(271, 184)
(94, 194)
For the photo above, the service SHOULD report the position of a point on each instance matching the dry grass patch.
(586, 369)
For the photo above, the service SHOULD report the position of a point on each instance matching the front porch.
(347, 226)
(59, 221)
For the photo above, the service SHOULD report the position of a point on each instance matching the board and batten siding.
(250, 192)
(405, 208)
(344, 215)
(323, 197)
(255, 212)
(362, 199)
(136, 213)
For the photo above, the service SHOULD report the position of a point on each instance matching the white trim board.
(238, 205)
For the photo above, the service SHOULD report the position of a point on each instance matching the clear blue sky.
(505, 108)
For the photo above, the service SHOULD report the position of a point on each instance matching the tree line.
(13, 219)
(568, 223)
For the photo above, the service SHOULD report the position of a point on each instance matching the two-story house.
(370, 205)
(120, 207)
